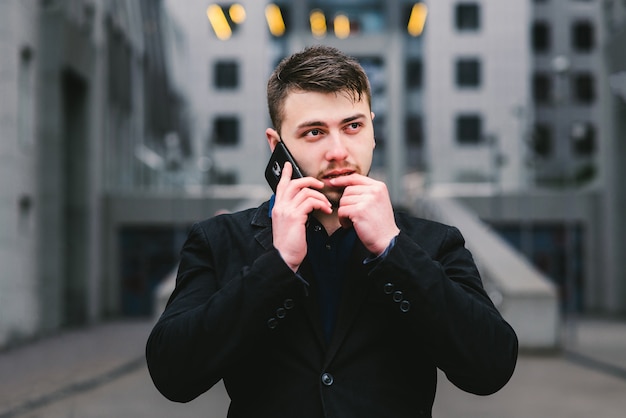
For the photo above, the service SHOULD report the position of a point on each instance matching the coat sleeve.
(209, 320)
(438, 293)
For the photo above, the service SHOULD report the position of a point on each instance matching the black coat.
(238, 313)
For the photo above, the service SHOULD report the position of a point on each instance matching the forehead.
(306, 105)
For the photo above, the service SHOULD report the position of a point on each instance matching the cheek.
(308, 159)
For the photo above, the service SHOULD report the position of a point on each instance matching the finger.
(308, 200)
(297, 199)
(288, 187)
(351, 180)
(285, 176)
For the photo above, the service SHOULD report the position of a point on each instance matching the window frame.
(467, 16)
(226, 130)
(468, 140)
(468, 72)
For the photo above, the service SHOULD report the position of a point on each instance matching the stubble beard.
(334, 196)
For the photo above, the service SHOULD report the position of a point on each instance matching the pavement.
(99, 371)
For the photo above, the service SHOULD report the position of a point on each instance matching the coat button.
(405, 306)
(327, 379)
(281, 313)
(388, 288)
(397, 296)
(288, 303)
(272, 323)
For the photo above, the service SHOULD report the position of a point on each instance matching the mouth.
(339, 173)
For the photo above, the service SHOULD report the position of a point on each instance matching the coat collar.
(263, 222)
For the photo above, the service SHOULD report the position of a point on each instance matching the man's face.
(329, 135)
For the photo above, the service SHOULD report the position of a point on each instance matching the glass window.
(26, 99)
(225, 19)
(467, 16)
(414, 17)
(226, 75)
(278, 19)
(468, 72)
(541, 37)
(542, 88)
(414, 130)
(583, 36)
(225, 177)
(584, 88)
(375, 70)
(583, 136)
(346, 18)
(469, 129)
(226, 130)
(414, 73)
(541, 141)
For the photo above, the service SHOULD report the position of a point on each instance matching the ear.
(272, 138)
(373, 116)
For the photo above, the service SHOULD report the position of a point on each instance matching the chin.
(334, 196)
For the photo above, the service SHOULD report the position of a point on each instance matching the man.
(323, 302)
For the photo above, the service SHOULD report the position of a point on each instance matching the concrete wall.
(249, 47)
(502, 98)
(18, 123)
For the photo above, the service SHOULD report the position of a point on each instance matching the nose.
(337, 150)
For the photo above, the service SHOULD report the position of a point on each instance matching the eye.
(354, 126)
(313, 133)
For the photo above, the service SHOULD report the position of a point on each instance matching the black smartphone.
(276, 163)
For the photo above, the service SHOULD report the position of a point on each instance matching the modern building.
(88, 107)
(124, 121)
(18, 186)
(237, 44)
(614, 203)
(498, 103)
(227, 98)
(567, 134)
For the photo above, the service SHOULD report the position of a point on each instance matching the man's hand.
(295, 199)
(366, 205)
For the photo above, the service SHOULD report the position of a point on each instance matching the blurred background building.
(124, 121)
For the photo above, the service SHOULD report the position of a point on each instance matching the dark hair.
(320, 69)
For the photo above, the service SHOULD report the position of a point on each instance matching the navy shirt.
(329, 256)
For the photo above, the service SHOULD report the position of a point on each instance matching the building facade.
(477, 93)
(232, 69)
(119, 115)
(567, 135)
(18, 187)
(501, 103)
(614, 203)
(86, 90)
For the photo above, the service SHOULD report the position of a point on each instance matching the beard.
(334, 194)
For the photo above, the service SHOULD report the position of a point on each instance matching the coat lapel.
(263, 222)
(311, 303)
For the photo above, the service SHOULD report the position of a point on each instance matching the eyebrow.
(312, 123)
